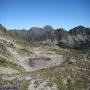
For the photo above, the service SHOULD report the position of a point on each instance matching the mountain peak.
(47, 27)
(78, 28)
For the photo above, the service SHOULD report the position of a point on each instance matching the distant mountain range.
(74, 38)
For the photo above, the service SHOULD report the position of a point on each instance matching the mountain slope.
(45, 58)
(67, 39)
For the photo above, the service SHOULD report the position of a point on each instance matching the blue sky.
(57, 13)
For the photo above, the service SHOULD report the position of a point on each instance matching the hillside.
(45, 58)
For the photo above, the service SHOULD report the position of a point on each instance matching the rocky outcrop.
(78, 36)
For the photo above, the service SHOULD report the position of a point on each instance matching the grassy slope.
(5, 63)
(66, 76)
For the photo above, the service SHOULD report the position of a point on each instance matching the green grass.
(4, 51)
(5, 63)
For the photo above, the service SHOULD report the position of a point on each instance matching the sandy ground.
(39, 62)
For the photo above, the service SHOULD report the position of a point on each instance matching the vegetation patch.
(5, 63)
(76, 79)
(4, 51)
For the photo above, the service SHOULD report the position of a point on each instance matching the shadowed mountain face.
(77, 36)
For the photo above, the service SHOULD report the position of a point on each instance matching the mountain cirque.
(45, 58)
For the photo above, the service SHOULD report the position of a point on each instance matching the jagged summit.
(79, 30)
(47, 27)
(71, 37)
